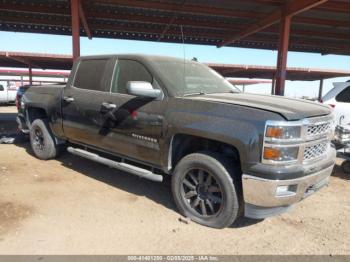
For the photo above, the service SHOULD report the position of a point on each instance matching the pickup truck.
(228, 154)
(7, 94)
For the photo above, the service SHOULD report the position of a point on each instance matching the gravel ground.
(75, 206)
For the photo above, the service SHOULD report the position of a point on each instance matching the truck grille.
(318, 129)
(315, 151)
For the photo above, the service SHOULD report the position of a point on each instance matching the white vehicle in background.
(7, 93)
(339, 99)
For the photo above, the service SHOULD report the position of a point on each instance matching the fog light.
(289, 190)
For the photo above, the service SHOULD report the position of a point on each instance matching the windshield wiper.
(195, 94)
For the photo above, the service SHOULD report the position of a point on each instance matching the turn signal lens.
(283, 132)
(275, 132)
(272, 153)
(281, 153)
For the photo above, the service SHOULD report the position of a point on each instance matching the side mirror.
(145, 89)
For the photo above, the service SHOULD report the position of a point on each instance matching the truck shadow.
(157, 192)
(8, 122)
(339, 172)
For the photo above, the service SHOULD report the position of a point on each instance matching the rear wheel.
(204, 189)
(42, 141)
(346, 167)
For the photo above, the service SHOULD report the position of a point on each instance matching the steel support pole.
(30, 73)
(282, 55)
(273, 84)
(320, 90)
(75, 28)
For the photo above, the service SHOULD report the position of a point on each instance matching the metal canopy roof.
(268, 72)
(43, 61)
(16, 72)
(64, 62)
(323, 29)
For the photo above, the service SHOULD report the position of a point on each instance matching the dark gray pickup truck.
(230, 154)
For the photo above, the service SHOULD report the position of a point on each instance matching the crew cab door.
(98, 112)
(133, 126)
(82, 99)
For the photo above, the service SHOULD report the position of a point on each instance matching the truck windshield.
(191, 78)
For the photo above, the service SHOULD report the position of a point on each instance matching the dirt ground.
(75, 206)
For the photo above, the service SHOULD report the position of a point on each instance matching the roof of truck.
(136, 56)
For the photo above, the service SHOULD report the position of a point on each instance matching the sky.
(55, 44)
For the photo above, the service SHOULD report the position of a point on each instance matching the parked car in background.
(7, 94)
(20, 92)
(339, 99)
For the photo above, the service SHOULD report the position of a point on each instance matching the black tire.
(42, 141)
(225, 206)
(346, 167)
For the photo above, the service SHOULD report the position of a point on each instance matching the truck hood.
(289, 108)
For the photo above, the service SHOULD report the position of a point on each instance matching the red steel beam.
(283, 45)
(21, 60)
(84, 20)
(75, 28)
(292, 8)
(336, 6)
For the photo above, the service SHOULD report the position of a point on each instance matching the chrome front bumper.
(281, 193)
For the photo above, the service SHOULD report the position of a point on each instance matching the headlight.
(281, 142)
(296, 142)
(284, 154)
(283, 132)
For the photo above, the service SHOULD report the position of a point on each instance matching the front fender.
(245, 136)
(239, 126)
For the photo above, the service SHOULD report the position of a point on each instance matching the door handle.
(109, 106)
(68, 99)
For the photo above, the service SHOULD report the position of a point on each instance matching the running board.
(118, 165)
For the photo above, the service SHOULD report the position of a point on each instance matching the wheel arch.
(33, 112)
(182, 144)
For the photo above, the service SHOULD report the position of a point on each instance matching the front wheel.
(346, 167)
(41, 140)
(205, 189)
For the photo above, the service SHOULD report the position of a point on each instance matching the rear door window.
(128, 70)
(91, 75)
(344, 96)
(2, 88)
